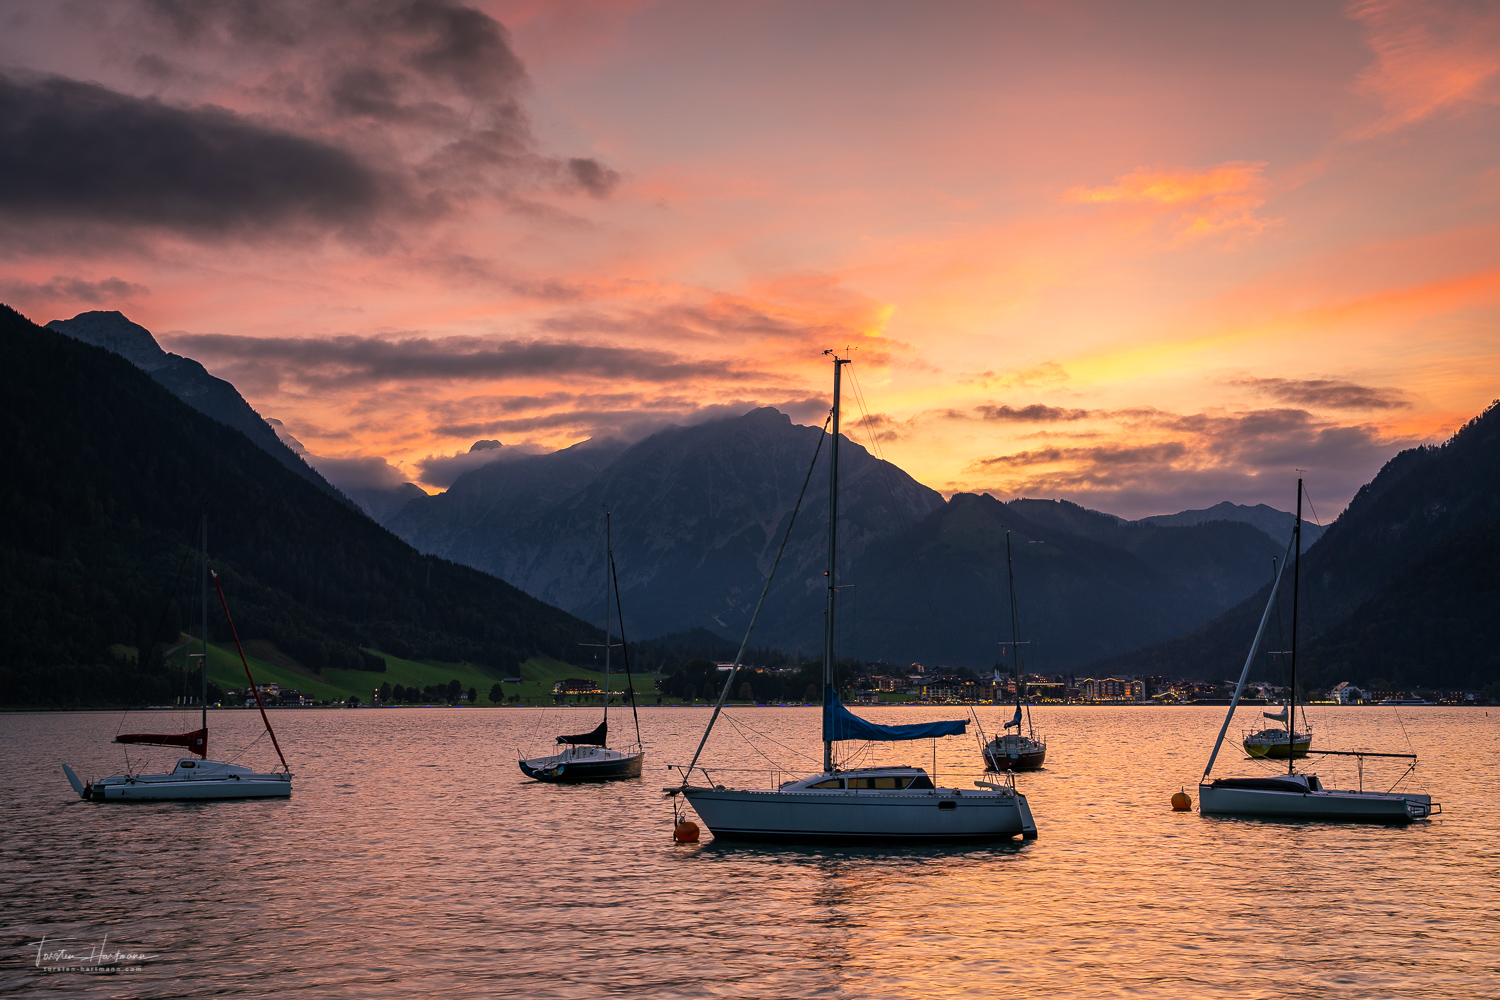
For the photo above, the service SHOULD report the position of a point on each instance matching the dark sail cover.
(196, 741)
(841, 724)
(594, 739)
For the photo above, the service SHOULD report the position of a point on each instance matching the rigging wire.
(729, 681)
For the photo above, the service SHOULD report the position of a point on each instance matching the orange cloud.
(1429, 57)
(1219, 199)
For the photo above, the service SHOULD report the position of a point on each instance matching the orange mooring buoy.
(686, 832)
(1181, 803)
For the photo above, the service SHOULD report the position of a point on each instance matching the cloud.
(1430, 57)
(442, 470)
(1329, 393)
(71, 150)
(592, 177)
(263, 115)
(357, 472)
(1046, 374)
(106, 291)
(1192, 458)
(1218, 199)
(350, 360)
(1034, 413)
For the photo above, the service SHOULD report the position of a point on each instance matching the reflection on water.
(414, 860)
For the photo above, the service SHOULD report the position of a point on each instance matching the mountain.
(186, 379)
(1275, 523)
(496, 499)
(698, 515)
(699, 511)
(1396, 587)
(1086, 583)
(107, 472)
(384, 503)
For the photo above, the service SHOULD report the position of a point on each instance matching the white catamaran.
(872, 804)
(201, 778)
(1294, 795)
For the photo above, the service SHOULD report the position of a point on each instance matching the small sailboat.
(193, 779)
(1276, 744)
(864, 804)
(1294, 795)
(588, 756)
(1015, 751)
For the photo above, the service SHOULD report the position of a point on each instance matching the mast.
(203, 659)
(833, 533)
(608, 562)
(1015, 632)
(1291, 713)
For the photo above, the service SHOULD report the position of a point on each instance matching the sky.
(1145, 256)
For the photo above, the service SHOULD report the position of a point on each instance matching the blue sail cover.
(841, 724)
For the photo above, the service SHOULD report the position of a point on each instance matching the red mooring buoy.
(1181, 803)
(686, 832)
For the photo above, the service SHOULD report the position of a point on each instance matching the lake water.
(413, 860)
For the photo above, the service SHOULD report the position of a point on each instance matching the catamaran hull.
(1346, 806)
(862, 817)
(554, 770)
(267, 786)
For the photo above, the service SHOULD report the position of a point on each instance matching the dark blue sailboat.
(588, 756)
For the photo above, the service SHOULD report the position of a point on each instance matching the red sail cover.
(196, 741)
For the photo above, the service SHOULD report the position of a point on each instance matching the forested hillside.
(1401, 587)
(106, 473)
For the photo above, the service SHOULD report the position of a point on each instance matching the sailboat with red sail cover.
(194, 778)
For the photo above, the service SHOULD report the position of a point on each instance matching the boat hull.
(1274, 747)
(1329, 804)
(571, 766)
(1010, 759)
(165, 788)
(862, 816)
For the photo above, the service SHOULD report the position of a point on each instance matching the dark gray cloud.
(1034, 413)
(1333, 394)
(350, 360)
(106, 291)
(1097, 459)
(1198, 459)
(350, 117)
(592, 176)
(79, 151)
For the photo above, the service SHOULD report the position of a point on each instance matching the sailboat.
(1276, 744)
(1293, 794)
(869, 804)
(200, 778)
(1015, 751)
(588, 756)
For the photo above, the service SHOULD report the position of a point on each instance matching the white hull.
(191, 781)
(868, 815)
(1328, 804)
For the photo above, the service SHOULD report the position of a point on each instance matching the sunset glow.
(1145, 257)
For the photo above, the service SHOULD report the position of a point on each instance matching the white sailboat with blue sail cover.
(866, 804)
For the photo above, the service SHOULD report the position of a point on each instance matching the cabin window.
(830, 783)
(188, 763)
(885, 781)
(947, 805)
(921, 781)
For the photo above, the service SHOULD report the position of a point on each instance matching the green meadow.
(537, 676)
